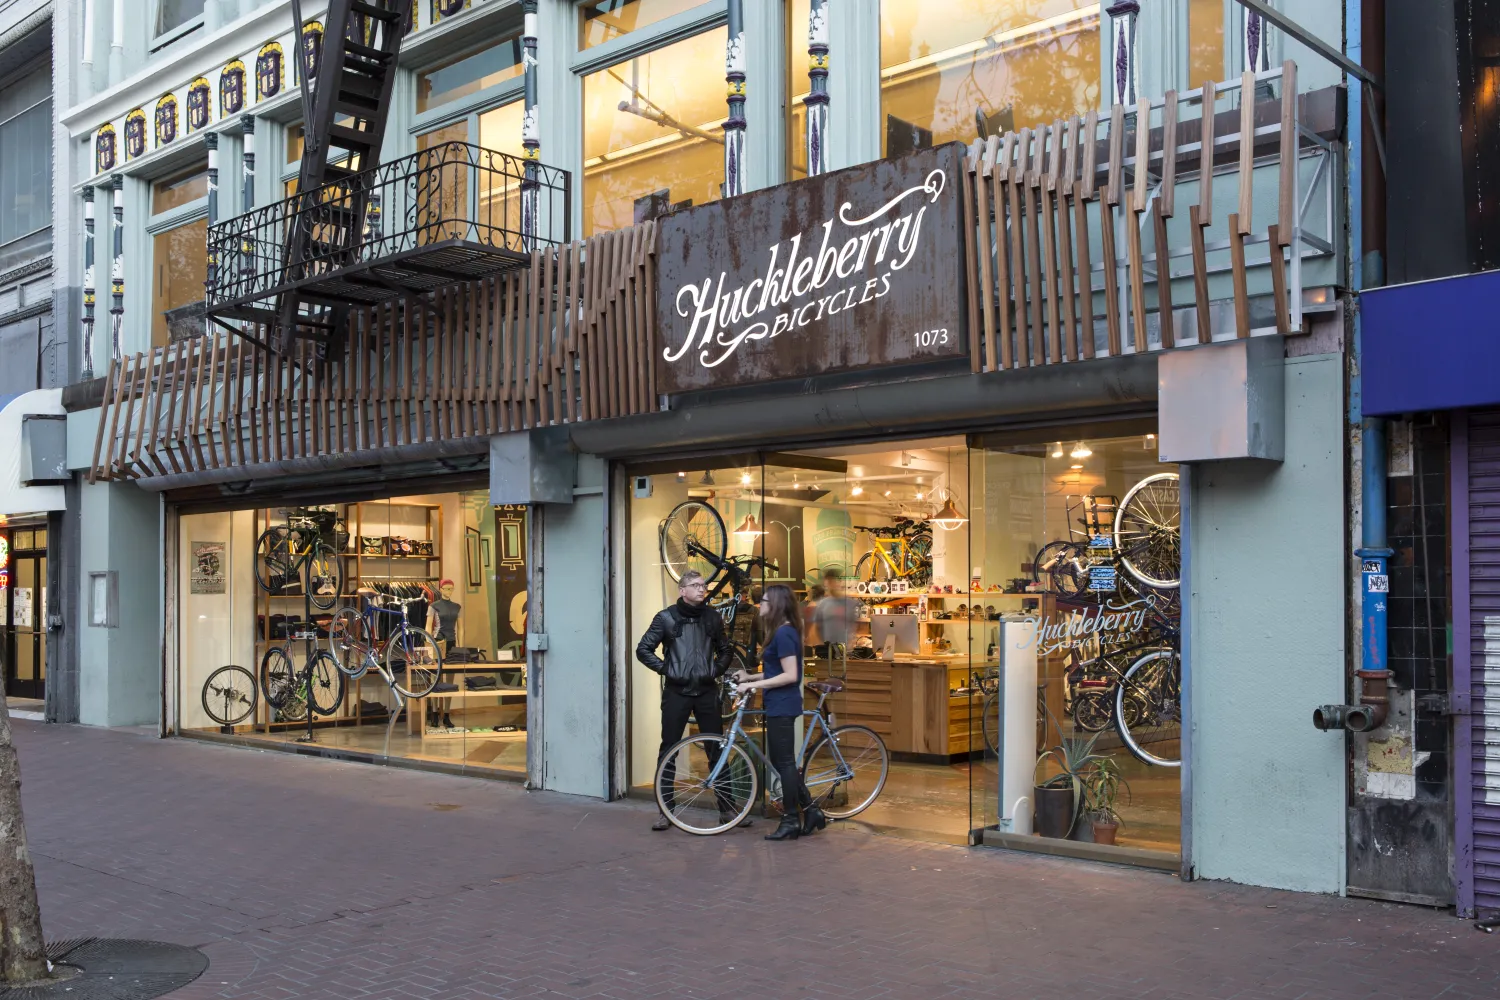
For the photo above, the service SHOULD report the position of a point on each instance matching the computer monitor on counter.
(895, 634)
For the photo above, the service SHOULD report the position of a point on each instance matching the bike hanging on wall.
(302, 553)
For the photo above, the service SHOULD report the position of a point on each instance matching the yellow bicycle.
(902, 552)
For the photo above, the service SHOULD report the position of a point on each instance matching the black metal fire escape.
(359, 232)
(350, 105)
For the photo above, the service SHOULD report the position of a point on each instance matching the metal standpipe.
(1373, 704)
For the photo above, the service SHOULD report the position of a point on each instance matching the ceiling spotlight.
(707, 480)
(857, 491)
(681, 477)
(1150, 442)
(858, 470)
(1080, 450)
(745, 479)
(1077, 465)
(887, 492)
(919, 480)
(1057, 451)
(919, 494)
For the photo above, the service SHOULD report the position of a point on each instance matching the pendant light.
(949, 517)
(749, 527)
(1081, 450)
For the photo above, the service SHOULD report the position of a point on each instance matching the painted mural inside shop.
(387, 628)
(999, 622)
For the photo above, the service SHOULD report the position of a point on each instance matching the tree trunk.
(23, 956)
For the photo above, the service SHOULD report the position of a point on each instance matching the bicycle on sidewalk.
(706, 784)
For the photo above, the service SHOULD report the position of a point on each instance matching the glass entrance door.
(25, 603)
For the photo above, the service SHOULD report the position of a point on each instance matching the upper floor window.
(653, 133)
(600, 21)
(26, 155)
(179, 189)
(966, 69)
(469, 74)
(1205, 42)
(174, 14)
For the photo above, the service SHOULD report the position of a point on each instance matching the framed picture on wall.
(472, 557)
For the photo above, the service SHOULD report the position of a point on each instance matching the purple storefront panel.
(1431, 345)
(1476, 565)
(1463, 736)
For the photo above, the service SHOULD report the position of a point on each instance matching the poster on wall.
(847, 270)
(20, 608)
(208, 568)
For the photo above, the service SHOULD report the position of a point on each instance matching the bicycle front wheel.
(919, 559)
(694, 797)
(1148, 531)
(1148, 709)
(278, 677)
(229, 695)
(693, 538)
(273, 558)
(325, 577)
(326, 684)
(350, 640)
(845, 774)
(872, 569)
(414, 661)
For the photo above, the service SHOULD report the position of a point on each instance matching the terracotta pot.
(1054, 811)
(1104, 833)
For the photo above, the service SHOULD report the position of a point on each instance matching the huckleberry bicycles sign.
(851, 269)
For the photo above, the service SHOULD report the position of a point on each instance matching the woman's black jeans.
(781, 745)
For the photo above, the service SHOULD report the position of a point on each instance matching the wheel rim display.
(690, 527)
(1148, 532)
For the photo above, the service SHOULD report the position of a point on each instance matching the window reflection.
(181, 189)
(967, 68)
(1205, 42)
(653, 135)
(797, 87)
(500, 195)
(600, 21)
(469, 74)
(181, 269)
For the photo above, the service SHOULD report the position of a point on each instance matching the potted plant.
(1102, 784)
(1059, 799)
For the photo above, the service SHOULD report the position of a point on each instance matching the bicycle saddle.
(831, 686)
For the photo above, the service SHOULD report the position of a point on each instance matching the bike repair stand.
(311, 636)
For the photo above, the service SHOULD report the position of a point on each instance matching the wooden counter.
(908, 704)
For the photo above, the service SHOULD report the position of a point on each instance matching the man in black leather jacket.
(698, 654)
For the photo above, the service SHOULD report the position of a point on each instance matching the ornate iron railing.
(449, 213)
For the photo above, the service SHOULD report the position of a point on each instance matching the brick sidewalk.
(314, 878)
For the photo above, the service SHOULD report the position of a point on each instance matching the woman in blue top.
(781, 684)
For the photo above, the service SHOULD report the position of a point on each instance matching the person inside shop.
(780, 684)
(835, 614)
(697, 655)
(443, 622)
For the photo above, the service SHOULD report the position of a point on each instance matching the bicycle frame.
(882, 547)
(737, 731)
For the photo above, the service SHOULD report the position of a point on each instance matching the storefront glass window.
(450, 564)
(968, 68)
(469, 74)
(972, 657)
(653, 136)
(600, 21)
(1074, 530)
(180, 260)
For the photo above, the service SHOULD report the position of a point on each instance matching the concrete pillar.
(120, 667)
